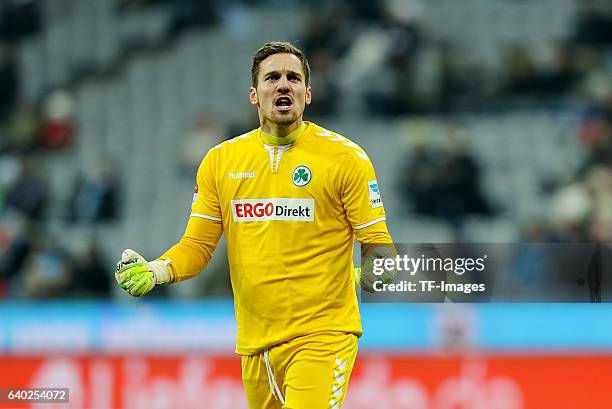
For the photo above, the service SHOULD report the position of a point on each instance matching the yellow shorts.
(308, 372)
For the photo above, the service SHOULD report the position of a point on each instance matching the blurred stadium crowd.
(487, 120)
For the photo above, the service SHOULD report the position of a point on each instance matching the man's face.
(281, 92)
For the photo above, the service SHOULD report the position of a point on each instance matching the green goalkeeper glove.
(365, 276)
(138, 276)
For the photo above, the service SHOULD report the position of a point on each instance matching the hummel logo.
(241, 175)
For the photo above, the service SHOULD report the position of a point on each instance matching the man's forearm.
(376, 242)
(192, 253)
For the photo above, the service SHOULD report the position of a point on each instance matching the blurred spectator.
(28, 193)
(594, 82)
(561, 75)
(368, 11)
(531, 265)
(401, 20)
(593, 24)
(8, 79)
(58, 124)
(46, 272)
(520, 76)
(193, 13)
(444, 182)
(605, 105)
(461, 82)
(383, 94)
(462, 184)
(15, 245)
(399, 44)
(206, 133)
(580, 211)
(523, 77)
(599, 183)
(91, 276)
(421, 178)
(595, 133)
(23, 128)
(331, 29)
(19, 18)
(570, 209)
(95, 197)
(10, 169)
(365, 71)
(324, 87)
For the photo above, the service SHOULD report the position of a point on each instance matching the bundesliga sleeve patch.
(195, 194)
(374, 192)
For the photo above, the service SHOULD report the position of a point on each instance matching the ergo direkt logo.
(259, 210)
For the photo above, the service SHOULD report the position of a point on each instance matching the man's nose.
(283, 84)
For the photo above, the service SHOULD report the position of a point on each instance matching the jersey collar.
(285, 140)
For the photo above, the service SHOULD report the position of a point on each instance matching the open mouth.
(283, 103)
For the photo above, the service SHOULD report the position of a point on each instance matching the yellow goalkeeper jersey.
(290, 209)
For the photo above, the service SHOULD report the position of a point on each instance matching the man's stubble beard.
(281, 119)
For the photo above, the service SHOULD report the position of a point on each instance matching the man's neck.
(271, 139)
(280, 131)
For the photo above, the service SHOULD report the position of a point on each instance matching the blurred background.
(487, 121)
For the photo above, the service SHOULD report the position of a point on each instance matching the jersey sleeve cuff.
(371, 222)
(205, 216)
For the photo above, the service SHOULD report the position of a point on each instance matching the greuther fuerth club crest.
(301, 176)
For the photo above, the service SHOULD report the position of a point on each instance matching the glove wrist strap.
(161, 271)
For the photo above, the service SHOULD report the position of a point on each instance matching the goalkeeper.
(291, 197)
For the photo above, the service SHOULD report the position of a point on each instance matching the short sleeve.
(206, 198)
(359, 191)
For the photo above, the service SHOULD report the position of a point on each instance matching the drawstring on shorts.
(271, 381)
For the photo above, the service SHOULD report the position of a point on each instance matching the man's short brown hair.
(278, 47)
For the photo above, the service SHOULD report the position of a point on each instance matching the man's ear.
(253, 96)
(308, 95)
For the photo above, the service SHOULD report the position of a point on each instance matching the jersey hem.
(255, 351)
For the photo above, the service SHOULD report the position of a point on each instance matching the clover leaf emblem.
(301, 176)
